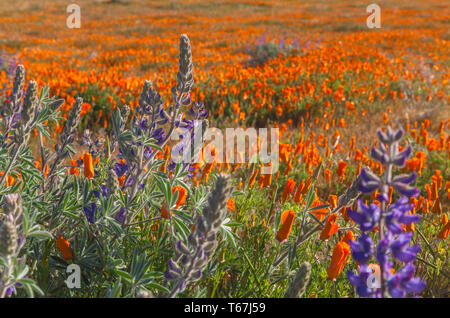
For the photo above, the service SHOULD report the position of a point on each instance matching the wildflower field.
(93, 202)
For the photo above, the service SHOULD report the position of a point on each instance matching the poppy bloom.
(230, 204)
(88, 165)
(330, 227)
(164, 211)
(338, 260)
(64, 247)
(298, 192)
(342, 166)
(10, 180)
(73, 169)
(290, 184)
(436, 206)
(333, 201)
(348, 237)
(182, 195)
(252, 180)
(287, 220)
(443, 234)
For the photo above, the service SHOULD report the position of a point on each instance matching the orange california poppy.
(290, 184)
(73, 169)
(443, 234)
(338, 260)
(252, 180)
(64, 247)
(182, 195)
(287, 220)
(230, 204)
(164, 211)
(88, 165)
(436, 206)
(330, 227)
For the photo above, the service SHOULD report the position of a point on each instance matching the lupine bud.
(72, 122)
(29, 104)
(124, 113)
(19, 82)
(112, 183)
(8, 238)
(298, 285)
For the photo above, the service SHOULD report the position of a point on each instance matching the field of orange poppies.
(362, 190)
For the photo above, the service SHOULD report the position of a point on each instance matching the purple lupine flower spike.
(393, 242)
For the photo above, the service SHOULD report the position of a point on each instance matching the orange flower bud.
(88, 165)
(64, 247)
(287, 220)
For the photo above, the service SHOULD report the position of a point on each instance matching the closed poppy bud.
(348, 237)
(73, 169)
(287, 220)
(164, 211)
(338, 260)
(436, 206)
(230, 204)
(443, 234)
(182, 195)
(298, 192)
(290, 184)
(64, 247)
(252, 180)
(333, 201)
(10, 180)
(330, 227)
(88, 165)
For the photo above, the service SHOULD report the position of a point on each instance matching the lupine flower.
(369, 216)
(287, 220)
(90, 212)
(390, 221)
(189, 262)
